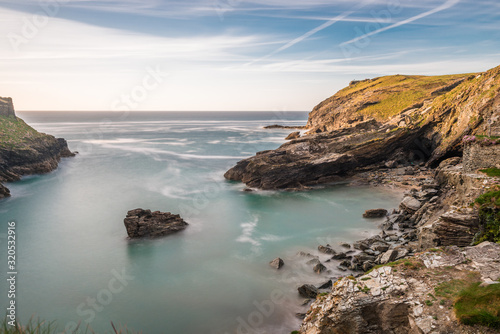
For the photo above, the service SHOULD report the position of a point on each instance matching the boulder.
(410, 204)
(319, 268)
(308, 291)
(146, 224)
(375, 213)
(388, 256)
(277, 263)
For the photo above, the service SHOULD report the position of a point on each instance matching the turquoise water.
(76, 265)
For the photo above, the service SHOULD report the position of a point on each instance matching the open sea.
(76, 265)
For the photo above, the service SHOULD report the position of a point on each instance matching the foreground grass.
(479, 305)
(37, 326)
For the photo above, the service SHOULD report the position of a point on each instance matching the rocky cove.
(441, 148)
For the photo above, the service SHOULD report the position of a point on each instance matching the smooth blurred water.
(212, 278)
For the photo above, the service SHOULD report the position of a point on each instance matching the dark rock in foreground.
(146, 224)
(308, 291)
(375, 213)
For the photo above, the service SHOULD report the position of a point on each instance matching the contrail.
(446, 5)
(311, 32)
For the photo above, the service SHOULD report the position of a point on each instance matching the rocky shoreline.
(23, 150)
(432, 149)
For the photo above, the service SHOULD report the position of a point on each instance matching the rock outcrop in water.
(388, 121)
(146, 224)
(23, 150)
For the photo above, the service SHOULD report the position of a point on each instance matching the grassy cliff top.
(16, 134)
(390, 95)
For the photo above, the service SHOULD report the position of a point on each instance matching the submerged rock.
(375, 213)
(277, 263)
(146, 224)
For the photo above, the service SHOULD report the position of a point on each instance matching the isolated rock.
(277, 263)
(144, 223)
(375, 213)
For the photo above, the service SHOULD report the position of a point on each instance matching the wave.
(248, 229)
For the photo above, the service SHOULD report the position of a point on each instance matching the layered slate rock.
(397, 299)
(142, 223)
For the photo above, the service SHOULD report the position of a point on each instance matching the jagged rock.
(326, 285)
(380, 246)
(326, 249)
(345, 263)
(308, 291)
(293, 135)
(144, 223)
(454, 228)
(368, 265)
(389, 256)
(319, 268)
(277, 263)
(410, 204)
(375, 213)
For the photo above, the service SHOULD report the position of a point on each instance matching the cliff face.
(389, 122)
(23, 150)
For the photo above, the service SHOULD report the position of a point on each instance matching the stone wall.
(6, 107)
(479, 157)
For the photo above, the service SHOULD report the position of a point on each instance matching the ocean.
(76, 265)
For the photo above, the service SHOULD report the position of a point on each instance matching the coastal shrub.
(489, 217)
(479, 305)
(38, 326)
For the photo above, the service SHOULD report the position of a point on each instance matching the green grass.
(390, 95)
(493, 172)
(478, 305)
(450, 289)
(15, 133)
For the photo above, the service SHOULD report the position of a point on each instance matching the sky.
(230, 55)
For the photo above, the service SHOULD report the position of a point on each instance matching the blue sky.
(272, 55)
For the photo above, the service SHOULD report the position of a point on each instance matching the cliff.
(23, 150)
(391, 121)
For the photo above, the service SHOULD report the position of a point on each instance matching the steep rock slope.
(389, 121)
(23, 150)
